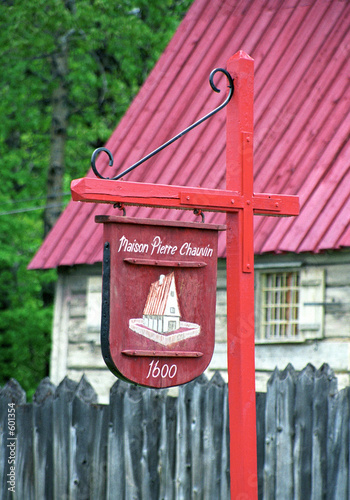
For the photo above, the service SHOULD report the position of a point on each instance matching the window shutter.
(311, 307)
(94, 304)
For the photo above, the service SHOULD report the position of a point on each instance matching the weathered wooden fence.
(149, 445)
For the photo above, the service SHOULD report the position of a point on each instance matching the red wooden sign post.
(240, 283)
(240, 204)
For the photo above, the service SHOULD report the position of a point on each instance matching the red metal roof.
(301, 50)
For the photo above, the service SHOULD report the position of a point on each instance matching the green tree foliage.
(70, 68)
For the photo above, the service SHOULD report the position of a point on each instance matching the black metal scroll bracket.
(175, 138)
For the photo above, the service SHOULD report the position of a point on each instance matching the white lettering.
(155, 243)
(132, 246)
(158, 248)
(154, 371)
(164, 371)
(188, 249)
(174, 368)
(183, 249)
(122, 242)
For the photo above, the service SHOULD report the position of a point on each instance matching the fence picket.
(151, 419)
(213, 414)
(338, 446)
(62, 420)
(183, 444)
(42, 438)
(196, 458)
(25, 472)
(225, 458)
(285, 435)
(325, 385)
(302, 453)
(167, 449)
(12, 392)
(81, 435)
(133, 442)
(260, 435)
(98, 450)
(270, 438)
(116, 432)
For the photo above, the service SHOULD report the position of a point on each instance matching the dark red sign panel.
(159, 295)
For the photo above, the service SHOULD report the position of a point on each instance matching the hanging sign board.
(159, 296)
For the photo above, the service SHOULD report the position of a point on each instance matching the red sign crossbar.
(186, 198)
(180, 197)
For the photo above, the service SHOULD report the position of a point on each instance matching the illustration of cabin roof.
(301, 51)
(158, 296)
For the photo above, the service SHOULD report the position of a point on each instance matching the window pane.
(280, 305)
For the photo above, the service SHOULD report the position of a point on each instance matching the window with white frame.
(280, 305)
(289, 304)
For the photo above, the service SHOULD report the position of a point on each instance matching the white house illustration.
(160, 320)
(162, 312)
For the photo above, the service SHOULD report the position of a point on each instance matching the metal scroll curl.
(175, 138)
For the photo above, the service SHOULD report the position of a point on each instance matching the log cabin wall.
(76, 328)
